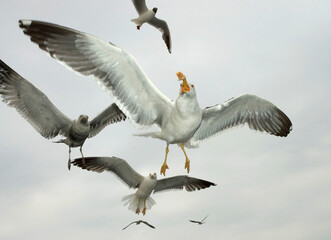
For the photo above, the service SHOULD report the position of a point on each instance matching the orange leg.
(187, 161)
(164, 166)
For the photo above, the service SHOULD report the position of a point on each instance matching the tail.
(60, 141)
(135, 203)
(135, 20)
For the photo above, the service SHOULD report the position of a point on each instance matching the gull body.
(141, 199)
(45, 117)
(138, 222)
(181, 122)
(148, 16)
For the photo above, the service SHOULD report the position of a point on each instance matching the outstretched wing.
(178, 182)
(117, 70)
(258, 113)
(32, 104)
(112, 164)
(140, 6)
(148, 224)
(129, 225)
(111, 114)
(162, 26)
(194, 221)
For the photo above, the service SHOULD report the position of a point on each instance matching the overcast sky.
(267, 187)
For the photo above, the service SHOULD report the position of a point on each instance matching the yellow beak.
(184, 86)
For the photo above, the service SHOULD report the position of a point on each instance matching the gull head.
(184, 87)
(154, 9)
(153, 176)
(83, 119)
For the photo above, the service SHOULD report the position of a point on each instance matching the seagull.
(146, 185)
(182, 121)
(138, 222)
(40, 112)
(199, 222)
(146, 15)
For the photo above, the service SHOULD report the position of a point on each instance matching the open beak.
(184, 86)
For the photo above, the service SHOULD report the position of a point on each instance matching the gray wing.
(258, 113)
(178, 182)
(204, 218)
(32, 104)
(148, 224)
(129, 225)
(140, 6)
(194, 221)
(162, 26)
(112, 164)
(115, 69)
(110, 115)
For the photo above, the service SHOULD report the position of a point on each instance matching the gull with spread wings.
(199, 222)
(146, 185)
(138, 222)
(181, 122)
(45, 117)
(148, 16)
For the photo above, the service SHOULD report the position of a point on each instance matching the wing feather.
(110, 115)
(32, 104)
(117, 70)
(140, 6)
(162, 26)
(179, 182)
(259, 114)
(112, 164)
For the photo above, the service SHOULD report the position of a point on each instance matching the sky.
(267, 187)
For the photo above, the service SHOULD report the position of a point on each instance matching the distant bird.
(182, 122)
(138, 222)
(42, 114)
(199, 222)
(148, 16)
(146, 185)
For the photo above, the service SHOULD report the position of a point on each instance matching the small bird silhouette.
(199, 222)
(138, 222)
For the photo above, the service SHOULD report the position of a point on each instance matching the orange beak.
(184, 87)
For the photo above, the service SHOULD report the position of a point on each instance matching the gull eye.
(192, 85)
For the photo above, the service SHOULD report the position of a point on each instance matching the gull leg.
(138, 209)
(144, 210)
(164, 166)
(69, 161)
(187, 161)
(81, 152)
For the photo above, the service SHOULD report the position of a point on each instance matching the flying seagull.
(146, 185)
(199, 222)
(148, 16)
(182, 122)
(44, 116)
(138, 222)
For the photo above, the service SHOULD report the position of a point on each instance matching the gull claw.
(187, 165)
(164, 167)
(69, 164)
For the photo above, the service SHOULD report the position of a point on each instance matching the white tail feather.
(135, 202)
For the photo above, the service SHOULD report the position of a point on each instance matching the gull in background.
(44, 116)
(138, 222)
(199, 222)
(181, 122)
(146, 185)
(148, 16)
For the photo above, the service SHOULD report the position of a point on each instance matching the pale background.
(268, 187)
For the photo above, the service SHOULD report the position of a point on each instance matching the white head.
(153, 176)
(83, 119)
